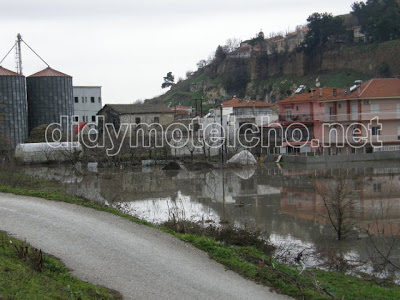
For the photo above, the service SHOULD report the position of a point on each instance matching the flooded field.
(283, 201)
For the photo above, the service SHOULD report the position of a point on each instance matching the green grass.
(19, 279)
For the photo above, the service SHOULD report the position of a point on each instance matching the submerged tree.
(168, 80)
(339, 203)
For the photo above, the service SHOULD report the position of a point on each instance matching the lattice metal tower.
(18, 54)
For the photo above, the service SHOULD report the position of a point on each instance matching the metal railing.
(294, 118)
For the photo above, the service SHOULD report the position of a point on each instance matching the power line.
(8, 53)
(36, 54)
(17, 47)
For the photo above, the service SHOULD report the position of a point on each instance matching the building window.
(76, 118)
(374, 108)
(93, 118)
(340, 105)
(83, 118)
(398, 133)
(137, 120)
(99, 99)
(376, 130)
(398, 110)
(377, 187)
(156, 120)
(83, 99)
(288, 114)
(92, 99)
(297, 108)
(76, 99)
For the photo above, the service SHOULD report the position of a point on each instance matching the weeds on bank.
(255, 264)
(28, 273)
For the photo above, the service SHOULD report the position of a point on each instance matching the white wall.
(85, 109)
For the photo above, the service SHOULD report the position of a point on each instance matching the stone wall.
(366, 59)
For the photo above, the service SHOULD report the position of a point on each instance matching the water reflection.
(280, 200)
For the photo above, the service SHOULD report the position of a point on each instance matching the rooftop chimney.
(335, 92)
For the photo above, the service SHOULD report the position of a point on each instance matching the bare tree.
(202, 64)
(339, 203)
(232, 44)
(188, 74)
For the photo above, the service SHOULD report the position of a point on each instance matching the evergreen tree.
(168, 80)
(379, 19)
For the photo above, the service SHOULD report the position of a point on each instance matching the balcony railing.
(350, 139)
(294, 118)
(366, 116)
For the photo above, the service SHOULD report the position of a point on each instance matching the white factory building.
(87, 103)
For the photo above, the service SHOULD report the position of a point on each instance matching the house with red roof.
(362, 119)
(181, 111)
(249, 111)
(370, 110)
(299, 120)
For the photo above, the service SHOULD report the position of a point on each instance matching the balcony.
(296, 118)
(365, 116)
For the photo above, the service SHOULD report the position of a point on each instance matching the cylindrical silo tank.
(50, 96)
(13, 110)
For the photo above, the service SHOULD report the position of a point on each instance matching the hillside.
(273, 77)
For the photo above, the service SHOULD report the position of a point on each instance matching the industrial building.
(13, 110)
(87, 103)
(50, 96)
(25, 103)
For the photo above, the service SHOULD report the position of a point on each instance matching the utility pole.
(201, 106)
(18, 54)
(222, 136)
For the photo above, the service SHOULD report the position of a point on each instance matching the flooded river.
(280, 200)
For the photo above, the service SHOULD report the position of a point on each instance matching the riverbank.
(249, 261)
(27, 273)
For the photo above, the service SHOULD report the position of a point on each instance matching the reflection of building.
(376, 199)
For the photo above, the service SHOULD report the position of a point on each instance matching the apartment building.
(362, 119)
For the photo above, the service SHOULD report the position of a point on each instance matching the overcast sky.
(128, 46)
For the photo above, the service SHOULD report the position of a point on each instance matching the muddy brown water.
(280, 200)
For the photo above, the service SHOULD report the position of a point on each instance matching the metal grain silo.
(50, 96)
(13, 111)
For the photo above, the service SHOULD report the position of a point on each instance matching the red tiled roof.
(379, 87)
(236, 102)
(374, 88)
(180, 107)
(7, 72)
(327, 93)
(138, 108)
(49, 72)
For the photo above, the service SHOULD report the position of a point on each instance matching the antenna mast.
(18, 54)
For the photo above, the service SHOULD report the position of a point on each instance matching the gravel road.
(138, 261)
